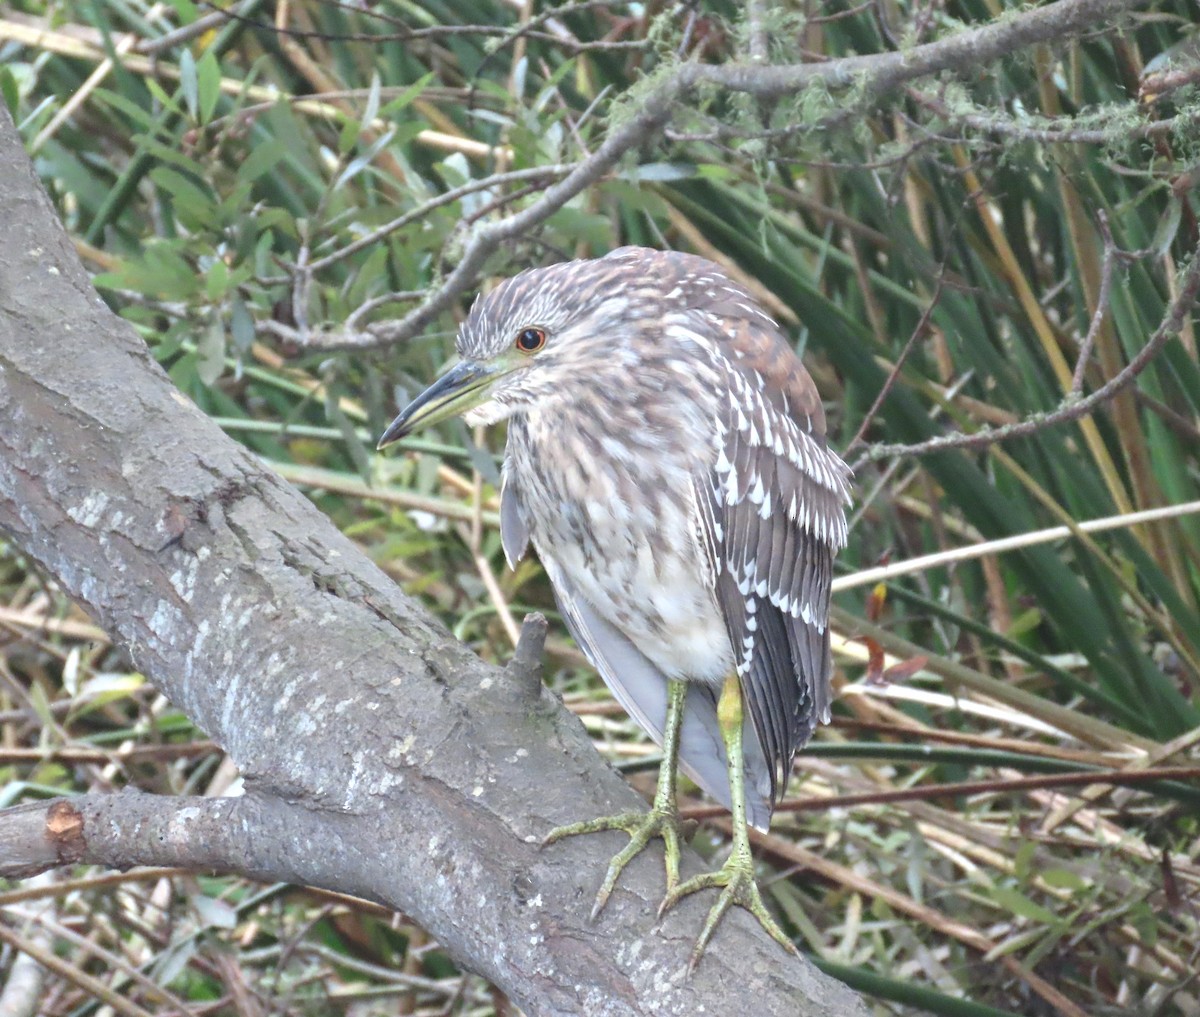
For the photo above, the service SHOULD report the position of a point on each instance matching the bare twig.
(689, 27)
(22, 990)
(48, 959)
(434, 32)
(919, 332)
(487, 238)
(893, 570)
(876, 76)
(1115, 778)
(1089, 340)
(1071, 408)
(525, 667)
(1051, 130)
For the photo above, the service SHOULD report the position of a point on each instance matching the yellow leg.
(736, 876)
(662, 819)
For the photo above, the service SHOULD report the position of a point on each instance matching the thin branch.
(685, 42)
(434, 32)
(1116, 778)
(849, 12)
(1056, 130)
(48, 959)
(883, 573)
(919, 332)
(1089, 340)
(876, 76)
(128, 753)
(22, 990)
(486, 239)
(1071, 408)
(881, 74)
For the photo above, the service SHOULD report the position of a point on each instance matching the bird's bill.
(465, 386)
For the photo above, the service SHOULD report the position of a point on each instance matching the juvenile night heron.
(667, 459)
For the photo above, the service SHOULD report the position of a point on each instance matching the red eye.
(530, 340)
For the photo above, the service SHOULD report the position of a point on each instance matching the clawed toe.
(642, 828)
(738, 886)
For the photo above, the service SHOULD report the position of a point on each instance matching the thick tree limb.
(381, 758)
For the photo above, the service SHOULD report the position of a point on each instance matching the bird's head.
(533, 339)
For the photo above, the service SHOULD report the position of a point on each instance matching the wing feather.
(514, 529)
(772, 518)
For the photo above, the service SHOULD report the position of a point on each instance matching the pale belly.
(651, 587)
(618, 524)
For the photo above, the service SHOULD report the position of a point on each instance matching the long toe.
(642, 827)
(736, 881)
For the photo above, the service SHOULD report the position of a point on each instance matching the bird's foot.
(736, 878)
(642, 828)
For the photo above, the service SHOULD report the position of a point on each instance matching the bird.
(667, 459)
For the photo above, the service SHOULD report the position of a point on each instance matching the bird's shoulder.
(745, 337)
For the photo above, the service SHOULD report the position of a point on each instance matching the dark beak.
(458, 390)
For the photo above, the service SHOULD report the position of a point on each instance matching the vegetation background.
(262, 189)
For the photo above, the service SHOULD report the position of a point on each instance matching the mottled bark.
(381, 757)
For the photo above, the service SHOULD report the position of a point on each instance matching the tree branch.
(877, 75)
(1072, 407)
(880, 74)
(381, 758)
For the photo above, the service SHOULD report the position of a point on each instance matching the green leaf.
(102, 689)
(186, 10)
(1063, 879)
(1013, 900)
(262, 251)
(188, 83)
(406, 97)
(1024, 623)
(188, 200)
(368, 279)
(208, 85)
(140, 117)
(159, 272)
(1143, 918)
(372, 108)
(1168, 225)
(210, 352)
(10, 92)
(454, 169)
(361, 162)
(171, 154)
(160, 94)
(216, 282)
(241, 326)
(348, 136)
(1023, 859)
(173, 961)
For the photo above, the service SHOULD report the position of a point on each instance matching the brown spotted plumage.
(667, 459)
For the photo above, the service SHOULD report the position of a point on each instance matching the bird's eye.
(530, 340)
